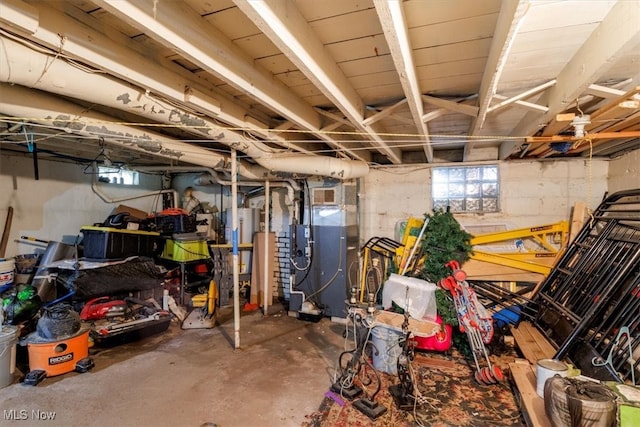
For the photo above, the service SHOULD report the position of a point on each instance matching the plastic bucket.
(386, 341)
(547, 368)
(26, 264)
(8, 340)
(6, 272)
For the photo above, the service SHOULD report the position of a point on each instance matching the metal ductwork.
(24, 66)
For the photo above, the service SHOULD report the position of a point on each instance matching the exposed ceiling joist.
(339, 120)
(521, 96)
(335, 117)
(383, 112)
(111, 54)
(456, 107)
(211, 50)
(512, 14)
(525, 104)
(345, 79)
(281, 21)
(19, 15)
(391, 15)
(432, 115)
(614, 37)
(604, 91)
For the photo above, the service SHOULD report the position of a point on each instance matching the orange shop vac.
(58, 346)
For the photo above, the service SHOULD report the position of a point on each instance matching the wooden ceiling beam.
(456, 107)
(285, 26)
(525, 104)
(383, 112)
(512, 14)
(617, 35)
(204, 45)
(391, 15)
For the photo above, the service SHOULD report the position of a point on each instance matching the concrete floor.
(193, 377)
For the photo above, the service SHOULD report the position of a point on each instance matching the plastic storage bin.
(113, 243)
(170, 224)
(185, 250)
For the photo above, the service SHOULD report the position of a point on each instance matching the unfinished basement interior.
(320, 213)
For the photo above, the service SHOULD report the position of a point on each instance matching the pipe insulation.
(36, 69)
(53, 112)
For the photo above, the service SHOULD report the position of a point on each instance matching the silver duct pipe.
(37, 69)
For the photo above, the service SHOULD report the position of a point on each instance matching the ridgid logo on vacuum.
(60, 359)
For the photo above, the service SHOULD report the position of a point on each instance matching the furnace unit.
(324, 252)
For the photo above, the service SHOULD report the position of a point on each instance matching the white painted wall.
(57, 205)
(624, 172)
(392, 194)
(531, 193)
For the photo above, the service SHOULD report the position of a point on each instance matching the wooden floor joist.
(533, 345)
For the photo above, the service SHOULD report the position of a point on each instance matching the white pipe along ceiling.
(62, 78)
(328, 88)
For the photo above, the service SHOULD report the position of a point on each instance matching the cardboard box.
(133, 212)
(258, 266)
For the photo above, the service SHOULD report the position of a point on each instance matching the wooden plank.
(257, 269)
(527, 344)
(577, 220)
(531, 404)
(548, 350)
(481, 270)
(533, 345)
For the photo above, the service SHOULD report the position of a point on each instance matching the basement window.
(118, 176)
(466, 188)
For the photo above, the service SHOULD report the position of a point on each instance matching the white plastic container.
(8, 340)
(547, 368)
(386, 341)
(7, 266)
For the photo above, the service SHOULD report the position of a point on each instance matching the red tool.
(103, 307)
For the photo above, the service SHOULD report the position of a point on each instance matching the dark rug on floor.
(450, 397)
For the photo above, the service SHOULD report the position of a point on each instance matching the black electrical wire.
(306, 274)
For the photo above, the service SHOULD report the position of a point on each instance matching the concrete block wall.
(624, 172)
(531, 193)
(389, 195)
(545, 192)
(283, 265)
(281, 218)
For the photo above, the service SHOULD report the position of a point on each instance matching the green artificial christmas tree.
(444, 241)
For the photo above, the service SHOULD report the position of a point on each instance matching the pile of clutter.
(57, 304)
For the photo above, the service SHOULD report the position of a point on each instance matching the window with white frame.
(466, 188)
